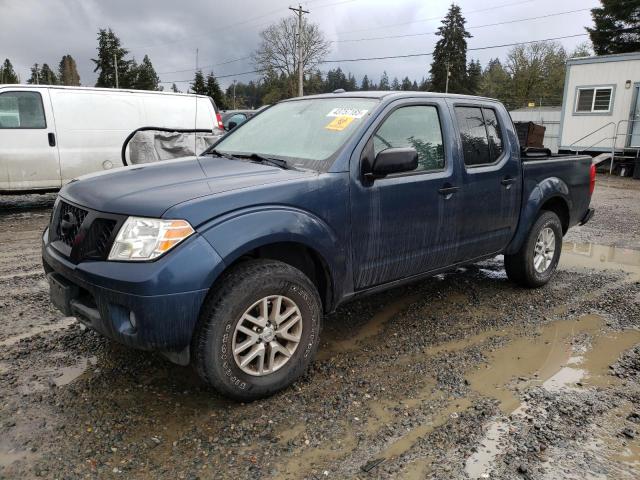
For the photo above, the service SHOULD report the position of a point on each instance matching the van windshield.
(304, 133)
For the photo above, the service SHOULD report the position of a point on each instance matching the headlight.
(147, 238)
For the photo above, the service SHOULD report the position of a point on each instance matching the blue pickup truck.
(229, 261)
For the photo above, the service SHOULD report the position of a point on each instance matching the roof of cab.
(394, 94)
(111, 90)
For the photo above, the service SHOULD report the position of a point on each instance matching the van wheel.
(536, 261)
(258, 330)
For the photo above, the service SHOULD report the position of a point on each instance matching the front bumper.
(145, 305)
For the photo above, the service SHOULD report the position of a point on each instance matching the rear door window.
(414, 126)
(480, 134)
(21, 110)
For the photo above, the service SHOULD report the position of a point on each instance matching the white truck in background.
(52, 134)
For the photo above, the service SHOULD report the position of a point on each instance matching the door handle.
(448, 190)
(506, 181)
(52, 139)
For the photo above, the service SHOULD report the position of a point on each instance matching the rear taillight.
(219, 120)
(592, 179)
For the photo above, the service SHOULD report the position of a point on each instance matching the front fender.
(239, 232)
(540, 193)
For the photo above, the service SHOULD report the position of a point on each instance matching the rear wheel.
(536, 261)
(258, 331)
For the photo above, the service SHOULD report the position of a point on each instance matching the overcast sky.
(169, 31)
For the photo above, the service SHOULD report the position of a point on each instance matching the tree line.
(529, 73)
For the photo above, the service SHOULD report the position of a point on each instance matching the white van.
(50, 135)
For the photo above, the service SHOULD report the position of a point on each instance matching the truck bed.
(570, 170)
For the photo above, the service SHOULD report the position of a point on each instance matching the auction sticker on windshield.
(347, 112)
(339, 123)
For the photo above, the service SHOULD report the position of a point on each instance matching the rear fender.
(546, 190)
(235, 234)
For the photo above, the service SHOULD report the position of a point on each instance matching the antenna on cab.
(195, 119)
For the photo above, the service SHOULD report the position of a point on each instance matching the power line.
(468, 49)
(411, 55)
(214, 31)
(226, 62)
(506, 22)
(436, 18)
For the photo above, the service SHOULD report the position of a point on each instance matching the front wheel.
(536, 261)
(258, 331)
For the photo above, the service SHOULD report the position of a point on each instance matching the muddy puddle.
(563, 356)
(600, 257)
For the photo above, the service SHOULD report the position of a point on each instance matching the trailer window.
(594, 99)
(21, 110)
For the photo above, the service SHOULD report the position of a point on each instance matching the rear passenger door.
(28, 143)
(404, 224)
(491, 179)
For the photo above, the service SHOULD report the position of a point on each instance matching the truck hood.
(149, 190)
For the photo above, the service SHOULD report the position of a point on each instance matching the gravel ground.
(460, 376)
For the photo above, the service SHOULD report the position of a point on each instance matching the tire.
(521, 267)
(223, 321)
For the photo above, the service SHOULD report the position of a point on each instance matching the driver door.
(405, 224)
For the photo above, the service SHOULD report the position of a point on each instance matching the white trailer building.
(601, 105)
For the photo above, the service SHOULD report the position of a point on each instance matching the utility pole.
(299, 11)
(446, 86)
(115, 67)
(234, 94)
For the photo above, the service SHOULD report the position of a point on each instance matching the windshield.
(305, 133)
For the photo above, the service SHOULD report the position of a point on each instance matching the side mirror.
(393, 160)
(231, 126)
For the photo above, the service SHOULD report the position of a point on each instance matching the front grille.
(75, 217)
(83, 234)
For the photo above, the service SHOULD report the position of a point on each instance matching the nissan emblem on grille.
(68, 223)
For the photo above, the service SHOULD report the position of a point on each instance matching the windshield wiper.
(276, 162)
(228, 156)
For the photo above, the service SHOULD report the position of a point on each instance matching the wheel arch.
(289, 235)
(552, 194)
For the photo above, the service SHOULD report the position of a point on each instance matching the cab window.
(21, 110)
(416, 126)
(480, 134)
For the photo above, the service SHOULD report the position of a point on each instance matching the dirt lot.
(460, 376)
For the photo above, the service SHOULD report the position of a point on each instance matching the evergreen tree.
(336, 79)
(146, 77)
(616, 27)
(215, 92)
(365, 85)
(406, 84)
(313, 83)
(34, 79)
(384, 81)
(414, 86)
(425, 85)
(174, 89)
(198, 86)
(7, 74)
(474, 76)
(130, 78)
(47, 76)
(451, 51)
(110, 51)
(395, 85)
(495, 81)
(68, 71)
(352, 84)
